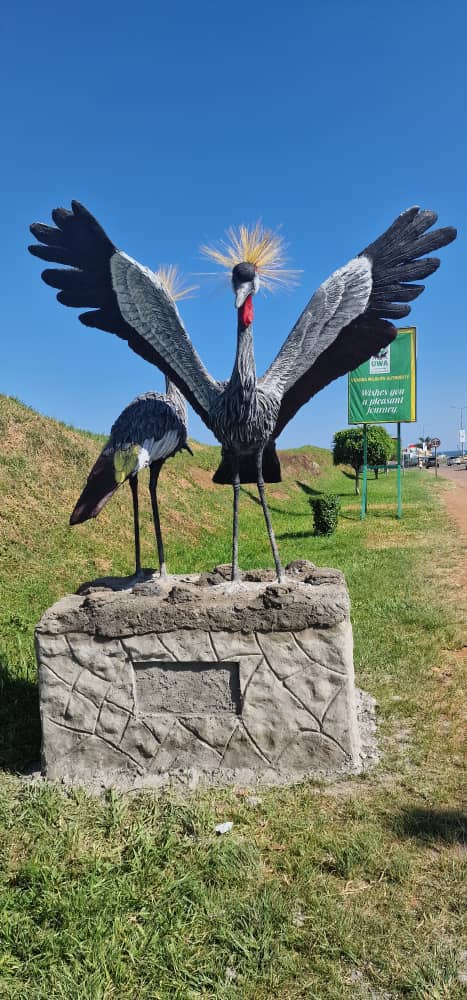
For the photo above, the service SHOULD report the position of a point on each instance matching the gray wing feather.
(338, 301)
(145, 305)
(149, 415)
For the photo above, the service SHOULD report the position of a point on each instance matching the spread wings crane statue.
(151, 429)
(346, 321)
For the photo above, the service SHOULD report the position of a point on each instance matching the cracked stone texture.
(228, 682)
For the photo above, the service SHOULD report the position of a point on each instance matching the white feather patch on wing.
(144, 457)
(152, 450)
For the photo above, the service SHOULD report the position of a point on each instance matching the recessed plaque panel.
(187, 688)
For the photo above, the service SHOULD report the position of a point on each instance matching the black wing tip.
(52, 276)
(410, 213)
(90, 319)
(428, 265)
(80, 211)
(417, 209)
(61, 215)
(450, 233)
(393, 310)
(400, 312)
(82, 514)
(410, 291)
(75, 518)
(414, 210)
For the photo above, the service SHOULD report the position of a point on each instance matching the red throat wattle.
(246, 311)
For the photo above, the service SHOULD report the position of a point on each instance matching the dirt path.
(456, 499)
(456, 503)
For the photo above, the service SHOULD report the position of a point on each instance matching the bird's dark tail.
(100, 486)
(248, 474)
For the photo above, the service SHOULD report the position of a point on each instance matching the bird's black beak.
(187, 448)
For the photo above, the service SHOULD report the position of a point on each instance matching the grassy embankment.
(348, 891)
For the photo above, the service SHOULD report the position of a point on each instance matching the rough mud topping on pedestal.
(245, 682)
(317, 598)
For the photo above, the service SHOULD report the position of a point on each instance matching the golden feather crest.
(173, 282)
(264, 248)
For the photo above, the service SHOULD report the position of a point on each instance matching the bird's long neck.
(176, 397)
(244, 370)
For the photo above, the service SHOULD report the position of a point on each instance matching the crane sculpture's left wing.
(373, 288)
(126, 298)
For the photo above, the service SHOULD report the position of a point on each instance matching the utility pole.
(461, 426)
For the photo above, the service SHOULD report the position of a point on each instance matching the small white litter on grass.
(223, 827)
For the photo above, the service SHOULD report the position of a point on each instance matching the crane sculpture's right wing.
(346, 321)
(126, 298)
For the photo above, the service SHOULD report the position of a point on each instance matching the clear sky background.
(172, 121)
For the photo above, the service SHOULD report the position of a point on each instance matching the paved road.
(458, 476)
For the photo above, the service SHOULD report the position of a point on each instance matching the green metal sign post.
(364, 506)
(399, 473)
(383, 390)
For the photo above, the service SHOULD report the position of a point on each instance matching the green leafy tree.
(348, 449)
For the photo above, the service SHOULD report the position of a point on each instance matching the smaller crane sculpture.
(152, 428)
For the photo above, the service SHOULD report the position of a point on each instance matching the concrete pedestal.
(200, 680)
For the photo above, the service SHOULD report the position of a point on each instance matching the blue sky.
(173, 121)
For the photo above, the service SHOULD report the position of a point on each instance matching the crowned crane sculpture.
(345, 322)
(151, 429)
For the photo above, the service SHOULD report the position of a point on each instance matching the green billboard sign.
(383, 389)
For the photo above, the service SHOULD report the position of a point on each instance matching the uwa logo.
(380, 363)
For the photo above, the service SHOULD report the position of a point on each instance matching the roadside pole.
(399, 473)
(364, 507)
(436, 443)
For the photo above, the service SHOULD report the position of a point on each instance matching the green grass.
(352, 890)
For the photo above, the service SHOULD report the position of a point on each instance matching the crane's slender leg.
(133, 481)
(236, 490)
(153, 477)
(267, 517)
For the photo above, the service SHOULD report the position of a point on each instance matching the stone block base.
(197, 679)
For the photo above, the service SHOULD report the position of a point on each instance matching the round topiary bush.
(325, 513)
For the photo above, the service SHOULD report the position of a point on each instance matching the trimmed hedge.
(325, 513)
